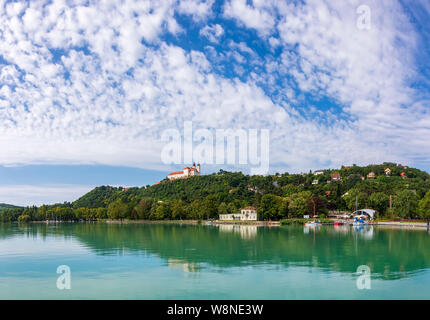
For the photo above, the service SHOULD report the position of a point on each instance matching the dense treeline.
(275, 196)
(4, 206)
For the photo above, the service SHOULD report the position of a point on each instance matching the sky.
(88, 88)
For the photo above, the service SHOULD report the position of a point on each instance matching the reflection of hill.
(389, 253)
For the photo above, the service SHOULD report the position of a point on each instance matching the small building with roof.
(336, 176)
(371, 175)
(368, 213)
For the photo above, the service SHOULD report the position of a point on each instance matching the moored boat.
(313, 224)
(358, 221)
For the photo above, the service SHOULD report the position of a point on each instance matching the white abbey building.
(246, 214)
(186, 173)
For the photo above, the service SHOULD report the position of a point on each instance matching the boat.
(358, 221)
(313, 224)
(339, 223)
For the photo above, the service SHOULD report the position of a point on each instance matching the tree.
(160, 212)
(271, 207)
(298, 203)
(405, 204)
(117, 210)
(24, 218)
(424, 206)
(316, 206)
(101, 213)
(222, 208)
(143, 209)
(232, 208)
(178, 210)
(355, 198)
(210, 208)
(380, 202)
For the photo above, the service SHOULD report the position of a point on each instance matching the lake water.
(167, 261)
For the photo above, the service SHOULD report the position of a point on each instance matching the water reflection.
(391, 254)
(245, 232)
(183, 265)
(365, 232)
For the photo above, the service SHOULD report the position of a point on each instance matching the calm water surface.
(164, 261)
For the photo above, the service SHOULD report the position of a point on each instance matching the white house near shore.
(246, 214)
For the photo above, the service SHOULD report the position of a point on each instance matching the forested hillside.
(5, 206)
(275, 196)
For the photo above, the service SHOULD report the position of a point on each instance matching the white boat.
(313, 224)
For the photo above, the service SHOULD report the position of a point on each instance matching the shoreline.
(410, 225)
(397, 224)
(196, 222)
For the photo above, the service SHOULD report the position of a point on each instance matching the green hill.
(4, 206)
(275, 196)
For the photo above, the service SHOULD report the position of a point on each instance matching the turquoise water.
(165, 261)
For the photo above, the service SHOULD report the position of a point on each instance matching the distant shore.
(396, 224)
(196, 222)
(400, 224)
(420, 225)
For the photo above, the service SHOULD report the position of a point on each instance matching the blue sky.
(87, 88)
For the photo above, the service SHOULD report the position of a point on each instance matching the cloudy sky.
(87, 87)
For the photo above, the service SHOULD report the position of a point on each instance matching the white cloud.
(28, 195)
(109, 103)
(198, 9)
(257, 15)
(212, 33)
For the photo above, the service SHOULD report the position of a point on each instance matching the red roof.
(249, 208)
(335, 175)
(177, 172)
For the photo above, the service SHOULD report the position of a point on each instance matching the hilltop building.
(246, 214)
(186, 173)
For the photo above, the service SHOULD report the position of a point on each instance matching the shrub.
(24, 218)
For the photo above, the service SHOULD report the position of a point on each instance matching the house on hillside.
(336, 177)
(318, 172)
(371, 175)
(387, 172)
